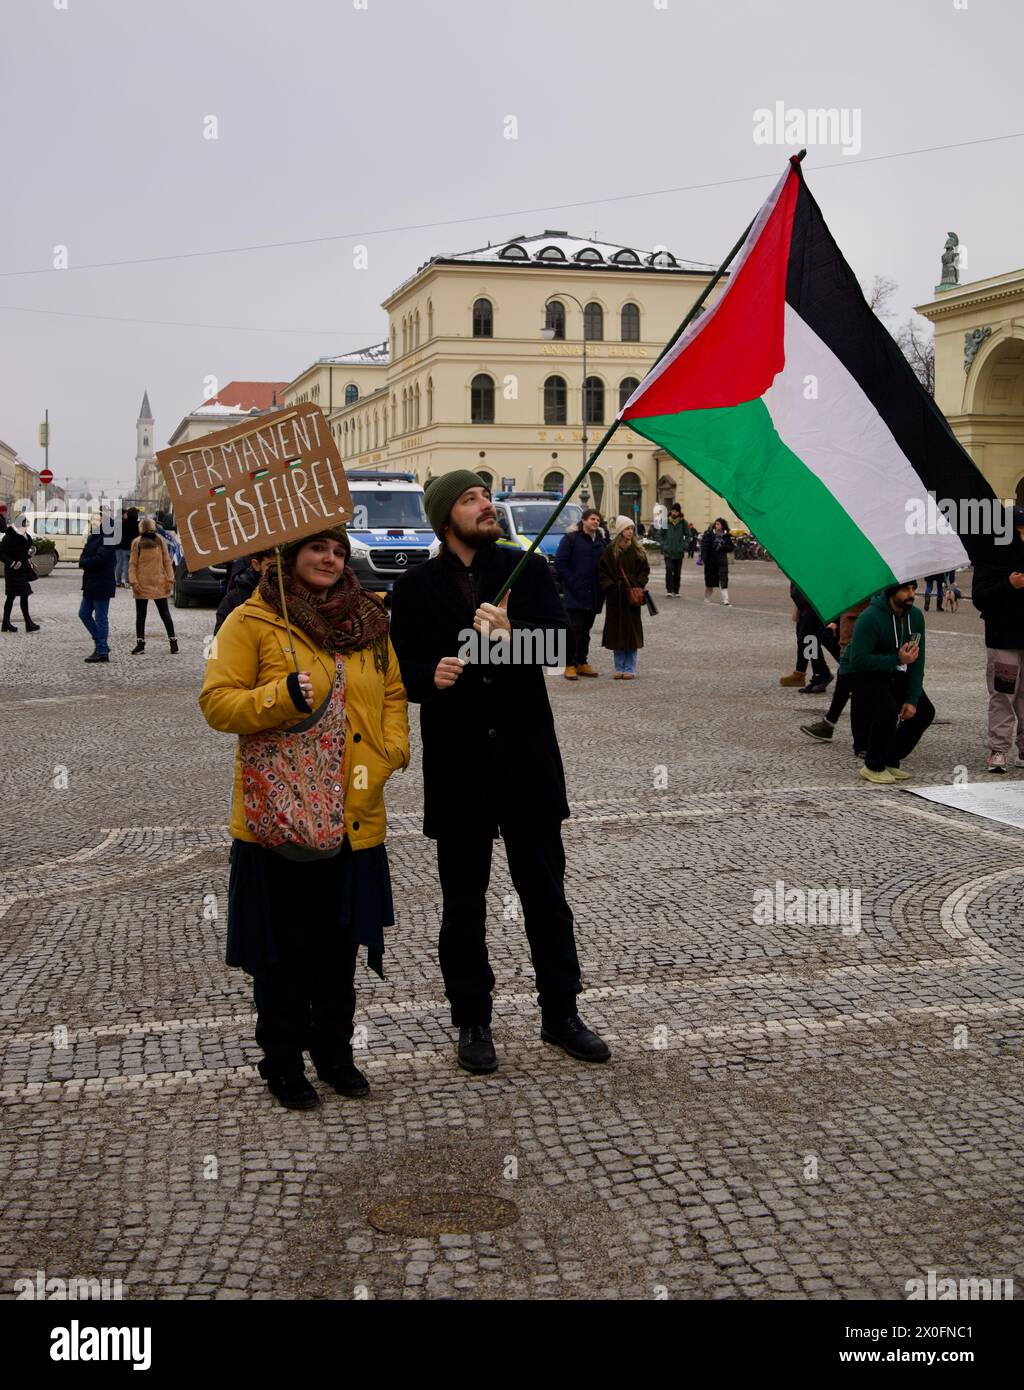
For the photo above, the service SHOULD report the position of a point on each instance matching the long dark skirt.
(266, 892)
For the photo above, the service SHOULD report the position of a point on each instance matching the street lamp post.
(548, 332)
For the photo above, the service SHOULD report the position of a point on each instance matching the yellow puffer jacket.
(246, 691)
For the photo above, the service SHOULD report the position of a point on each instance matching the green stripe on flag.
(737, 451)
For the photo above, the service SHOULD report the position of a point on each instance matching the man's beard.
(475, 539)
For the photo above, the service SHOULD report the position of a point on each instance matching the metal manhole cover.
(443, 1213)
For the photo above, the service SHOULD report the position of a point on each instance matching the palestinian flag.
(793, 402)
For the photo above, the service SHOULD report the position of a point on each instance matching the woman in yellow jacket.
(296, 925)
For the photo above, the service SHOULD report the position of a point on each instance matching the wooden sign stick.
(284, 609)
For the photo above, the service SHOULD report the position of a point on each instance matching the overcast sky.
(339, 122)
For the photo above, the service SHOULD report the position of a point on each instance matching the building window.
(630, 323)
(593, 401)
(597, 485)
(593, 323)
(351, 394)
(416, 407)
(405, 335)
(513, 252)
(430, 400)
(556, 318)
(554, 482)
(416, 329)
(483, 319)
(376, 430)
(392, 342)
(481, 400)
(394, 414)
(627, 386)
(555, 397)
(551, 253)
(430, 318)
(405, 411)
(629, 495)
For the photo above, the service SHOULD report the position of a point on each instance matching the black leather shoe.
(32, 627)
(95, 657)
(476, 1050)
(345, 1077)
(574, 1037)
(294, 1092)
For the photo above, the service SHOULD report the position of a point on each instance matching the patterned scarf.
(345, 618)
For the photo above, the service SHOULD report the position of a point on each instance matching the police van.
(389, 531)
(521, 516)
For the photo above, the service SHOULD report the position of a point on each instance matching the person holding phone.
(885, 665)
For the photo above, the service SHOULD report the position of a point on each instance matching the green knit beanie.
(440, 495)
(334, 533)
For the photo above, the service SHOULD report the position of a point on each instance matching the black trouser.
(581, 620)
(307, 1000)
(877, 700)
(673, 571)
(809, 626)
(9, 608)
(140, 616)
(536, 861)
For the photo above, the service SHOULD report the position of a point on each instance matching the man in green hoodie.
(885, 662)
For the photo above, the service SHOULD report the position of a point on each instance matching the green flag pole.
(695, 309)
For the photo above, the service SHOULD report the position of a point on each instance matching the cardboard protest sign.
(270, 480)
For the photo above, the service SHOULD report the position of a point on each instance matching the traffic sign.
(45, 476)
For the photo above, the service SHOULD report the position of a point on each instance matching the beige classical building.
(979, 373)
(468, 378)
(8, 474)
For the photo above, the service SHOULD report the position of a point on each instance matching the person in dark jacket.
(243, 581)
(623, 566)
(693, 542)
(674, 545)
(98, 560)
(576, 561)
(16, 551)
(491, 763)
(129, 532)
(715, 547)
(813, 639)
(885, 663)
(998, 595)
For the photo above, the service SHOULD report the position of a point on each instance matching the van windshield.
(381, 509)
(531, 516)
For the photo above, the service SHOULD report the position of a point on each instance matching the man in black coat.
(576, 561)
(98, 559)
(491, 763)
(998, 594)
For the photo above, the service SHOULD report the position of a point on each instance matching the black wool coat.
(714, 553)
(1001, 606)
(99, 561)
(490, 754)
(14, 547)
(623, 626)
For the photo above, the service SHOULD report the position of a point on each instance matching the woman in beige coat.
(151, 575)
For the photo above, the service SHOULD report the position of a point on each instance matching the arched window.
(430, 400)
(555, 397)
(556, 318)
(593, 323)
(376, 430)
(405, 410)
(351, 394)
(554, 482)
(593, 401)
(481, 400)
(630, 323)
(430, 318)
(597, 486)
(394, 414)
(627, 386)
(416, 407)
(483, 318)
(362, 442)
(392, 342)
(629, 495)
(416, 329)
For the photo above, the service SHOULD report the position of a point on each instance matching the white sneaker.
(996, 762)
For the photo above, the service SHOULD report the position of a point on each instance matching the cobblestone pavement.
(792, 1109)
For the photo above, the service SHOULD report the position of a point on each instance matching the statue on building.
(950, 263)
(972, 342)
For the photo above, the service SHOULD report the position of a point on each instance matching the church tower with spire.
(145, 453)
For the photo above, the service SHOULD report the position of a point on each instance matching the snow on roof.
(376, 355)
(219, 408)
(573, 250)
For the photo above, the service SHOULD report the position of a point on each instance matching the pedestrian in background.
(823, 729)
(129, 531)
(715, 547)
(623, 574)
(98, 561)
(151, 576)
(3, 517)
(310, 881)
(693, 541)
(813, 639)
(576, 563)
(998, 594)
(674, 546)
(243, 581)
(17, 546)
(939, 581)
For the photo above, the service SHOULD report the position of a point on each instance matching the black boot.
(30, 626)
(294, 1092)
(140, 646)
(95, 657)
(927, 602)
(174, 645)
(344, 1076)
(573, 1035)
(9, 627)
(476, 1050)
